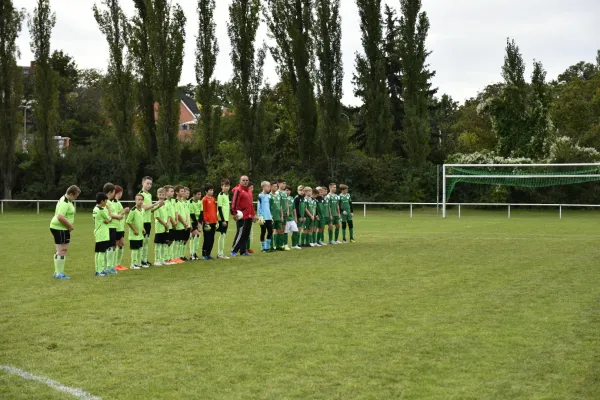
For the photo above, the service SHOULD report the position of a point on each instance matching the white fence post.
(38, 206)
(411, 210)
(459, 211)
(2, 207)
(509, 211)
(560, 211)
(365, 210)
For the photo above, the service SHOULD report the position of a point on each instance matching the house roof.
(190, 104)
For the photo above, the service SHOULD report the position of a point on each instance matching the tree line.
(386, 149)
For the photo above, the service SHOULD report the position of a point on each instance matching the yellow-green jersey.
(162, 213)
(66, 208)
(115, 207)
(172, 211)
(101, 232)
(147, 202)
(136, 218)
(180, 209)
(223, 204)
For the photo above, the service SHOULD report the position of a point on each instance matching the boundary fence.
(411, 206)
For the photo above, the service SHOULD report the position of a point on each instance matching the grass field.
(481, 307)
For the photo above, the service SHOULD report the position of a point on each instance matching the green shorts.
(346, 218)
(320, 224)
(277, 225)
(308, 224)
(334, 220)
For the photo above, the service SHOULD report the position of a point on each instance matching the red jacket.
(242, 201)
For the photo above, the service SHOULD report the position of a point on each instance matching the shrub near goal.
(518, 175)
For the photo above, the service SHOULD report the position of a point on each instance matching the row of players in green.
(306, 216)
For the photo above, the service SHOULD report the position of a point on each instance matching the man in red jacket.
(242, 201)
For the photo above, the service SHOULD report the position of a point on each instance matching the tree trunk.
(7, 188)
(131, 189)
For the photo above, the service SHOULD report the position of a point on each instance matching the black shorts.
(112, 232)
(172, 235)
(101, 247)
(61, 236)
(161, 238)
(147, 228)
(179, 234)
(136, 244)
(188, 234)
(222, 228)
(120, 235)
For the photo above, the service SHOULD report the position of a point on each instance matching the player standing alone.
(347, 213)
(61, 226)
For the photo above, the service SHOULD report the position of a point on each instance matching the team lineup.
(181, 217)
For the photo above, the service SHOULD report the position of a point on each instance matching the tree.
(330, 75)
(582, 70)
(540, 125)
(370, 79)
(290, 24)
(144, 88)
(45, 107)
(414, 27)
(247, 71)
(118, 97)
(393, 65)
(207, 49)
(10, 91)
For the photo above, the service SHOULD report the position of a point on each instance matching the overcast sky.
(467, 38)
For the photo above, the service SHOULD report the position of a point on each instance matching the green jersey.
(333, 200)
(114, 208)
(284, 204)
(65, 208)
(321, 212)
(223, 204)
(162, 213)
(312, 206)
(101, 232)
(290, 204)
(275, 205)
(147, 202)
(345, 203)
(136, 218)
(302, 208)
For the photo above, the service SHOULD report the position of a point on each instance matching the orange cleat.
(250, 251)
(121, 268)
(179, 261)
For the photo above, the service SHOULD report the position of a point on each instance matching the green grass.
(481, 307)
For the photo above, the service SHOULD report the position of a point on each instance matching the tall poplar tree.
(330, 75)
(207, 49)
(370, 79)
(414, 27)
(247, 65)
(393, 66)
(118, 97)
(290, 24)
(45, 107)
(10, 91)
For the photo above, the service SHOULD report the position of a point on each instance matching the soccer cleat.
(344, 241)
(338, 242)
(296, 247)
(158, 264)
(169, 262)
(246, 254)
(135, 267)
(222, 257)
(323, 243)
(332, 242)
(352, 241)
(311, 244)
(112, 271)
(317, 244)
(287, 248)
(250, 251)
(145, 266)
(184, 259)
(178, 261)
(61, 276)
(233, 254)
(121, 268)
(100, 274)
(207, 258)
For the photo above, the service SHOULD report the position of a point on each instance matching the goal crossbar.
(589, 174)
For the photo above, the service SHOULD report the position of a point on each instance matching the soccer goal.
(521, 175)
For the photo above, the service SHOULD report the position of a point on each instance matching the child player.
(109, 191)
(299, 215)
(101, 233)
(265, 218)
(283, 236)
(171, 203)
(223, 211)
(323, 217)
(277, 214)
(248, 249)
(313, 211)
(195, 212)
(347, 213)
(334, 204)
(61, 226)
(209, 219)
(135, 221)
(148, 208)
(161, 230)
(290, 221)
(117, 207)
(181, 227)
(308, 218)
(188, 219)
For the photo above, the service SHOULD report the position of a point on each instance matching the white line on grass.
(79, 393)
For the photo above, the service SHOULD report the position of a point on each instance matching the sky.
(467, 38)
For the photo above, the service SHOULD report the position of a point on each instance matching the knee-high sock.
(157, 253)
(286, 238)
(330, 235)
(337, 233)
(145, 249)
(344, 230)
(314, 237)
(134, 257)
(98, 262)
(221, 245)
(119, 256)
(59, 264)
(295, 239)
(110, 258)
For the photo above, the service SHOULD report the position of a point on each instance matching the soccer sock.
(314, 237)
(351, 233)
(343, 233)
(337, 233)
(157, 255)
(61, 263)
(97, 262)
(119, 255)
(145, 249)
(294, 239)
(221, 244)
(110, 253)
(282, 241)
(197, 247)
(330, 235)
(56, 266)
(286, 238)
(248, 244)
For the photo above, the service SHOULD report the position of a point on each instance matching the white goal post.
(592, 176)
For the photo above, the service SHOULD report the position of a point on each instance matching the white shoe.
(297, 247)
(287, 248)
(317, 244)
(145, 266)
(135, 267)
(169, 263)
(222, 257)
(159, 264)
(332, 242)
(338, 242)
(311, 244)
(323, 244)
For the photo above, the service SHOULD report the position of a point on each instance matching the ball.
(240, 214)
(261, 221)
(207, 227)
